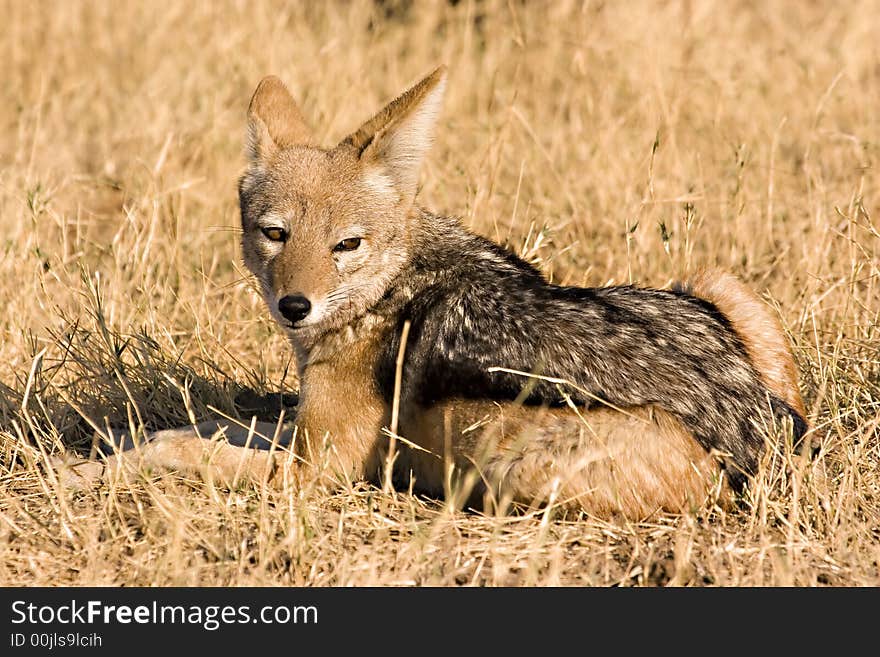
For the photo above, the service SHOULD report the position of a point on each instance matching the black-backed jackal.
(410, 330)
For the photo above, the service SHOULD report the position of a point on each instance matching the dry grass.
(607, 141)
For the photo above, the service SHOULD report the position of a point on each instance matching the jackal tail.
(758, 328)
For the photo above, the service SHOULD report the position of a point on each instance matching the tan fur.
(399, 108)
(274, 120)
(339, 398)
(604, 461)
(396, 140)
(216, 450)
(757, 327)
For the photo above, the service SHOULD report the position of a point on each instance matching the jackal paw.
(77, 473)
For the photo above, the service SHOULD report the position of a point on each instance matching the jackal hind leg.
(604, 463)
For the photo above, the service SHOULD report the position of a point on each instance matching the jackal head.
(325, 230)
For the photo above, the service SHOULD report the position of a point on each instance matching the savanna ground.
(607, 142)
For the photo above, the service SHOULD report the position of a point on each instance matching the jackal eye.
(273, 233)
(348, 244)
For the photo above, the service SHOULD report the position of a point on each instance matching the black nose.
(294, 307)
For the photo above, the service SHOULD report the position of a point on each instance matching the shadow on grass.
(90, 380)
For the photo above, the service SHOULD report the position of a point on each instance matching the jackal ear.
(399, 136)
(274, 121)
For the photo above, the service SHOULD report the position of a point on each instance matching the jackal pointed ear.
(274, 120)
(397, 138)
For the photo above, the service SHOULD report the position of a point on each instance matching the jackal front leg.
(217, 450)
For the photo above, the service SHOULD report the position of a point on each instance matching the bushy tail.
(761, 334)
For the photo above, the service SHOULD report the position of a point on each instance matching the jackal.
(411, 331)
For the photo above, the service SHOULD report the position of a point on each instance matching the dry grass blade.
(644, 138)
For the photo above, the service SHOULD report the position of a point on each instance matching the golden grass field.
(606, 141)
